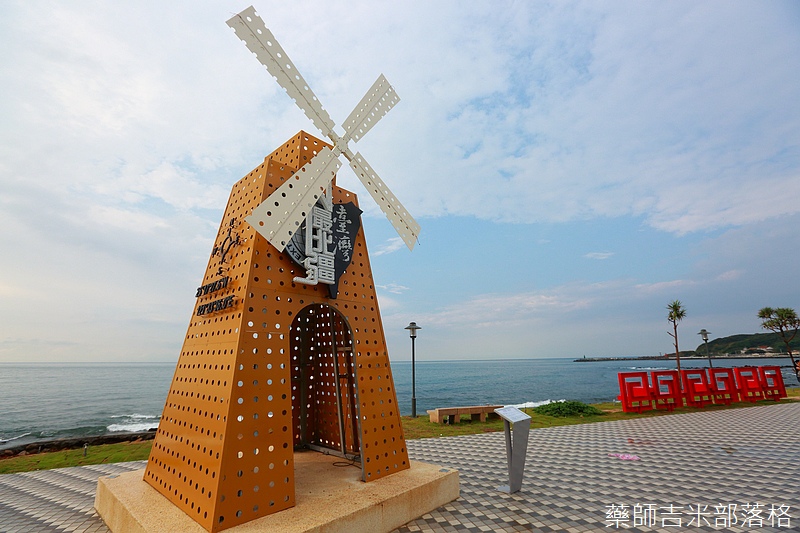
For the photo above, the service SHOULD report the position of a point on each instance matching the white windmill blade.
(376, 103)
(403, 222)
(249, 27)
(279, 216)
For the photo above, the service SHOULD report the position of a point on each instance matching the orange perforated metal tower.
(269, 365)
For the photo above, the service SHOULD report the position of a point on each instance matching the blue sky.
(575, 166)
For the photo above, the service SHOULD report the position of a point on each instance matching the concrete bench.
(451, 415)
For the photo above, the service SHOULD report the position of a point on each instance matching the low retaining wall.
(57, 445)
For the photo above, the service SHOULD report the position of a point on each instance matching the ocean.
(41, 401)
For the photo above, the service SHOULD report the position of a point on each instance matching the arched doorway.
(324, 404)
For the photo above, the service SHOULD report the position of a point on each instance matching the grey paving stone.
(716, 458)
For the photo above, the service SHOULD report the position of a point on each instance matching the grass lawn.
(414, 428)
(106, 453)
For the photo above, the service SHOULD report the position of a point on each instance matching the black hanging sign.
(346, 223)
(339, 236)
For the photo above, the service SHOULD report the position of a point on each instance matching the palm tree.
(676, 313)
(785, 322)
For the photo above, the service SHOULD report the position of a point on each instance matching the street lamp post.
(703, 333)
(412, 332)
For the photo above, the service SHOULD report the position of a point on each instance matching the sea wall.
(56, 445)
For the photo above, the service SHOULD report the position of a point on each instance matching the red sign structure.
(662, 389)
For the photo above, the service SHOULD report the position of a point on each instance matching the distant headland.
(743, 346)
(688, 356)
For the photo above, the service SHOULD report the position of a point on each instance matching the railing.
(661, 389)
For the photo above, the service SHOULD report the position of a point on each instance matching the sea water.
(48, 400)
(41, 401)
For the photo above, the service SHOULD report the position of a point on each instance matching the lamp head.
(412, 329)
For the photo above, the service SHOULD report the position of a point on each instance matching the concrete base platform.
(328, 498)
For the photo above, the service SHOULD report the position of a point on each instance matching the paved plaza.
(730, 470)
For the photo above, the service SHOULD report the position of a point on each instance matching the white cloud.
(168, 182)
(730, 275)
(135, 221)
(617, 317)
(598, 116)
(599, 255)
(391, 245)
(538, 113)
(662, 287)
(489, 311)
(393, 288)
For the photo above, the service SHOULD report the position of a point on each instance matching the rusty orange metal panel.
(223, 452)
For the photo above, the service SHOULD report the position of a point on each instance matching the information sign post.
(515, 419)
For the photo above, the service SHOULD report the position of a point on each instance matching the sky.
(575, 167)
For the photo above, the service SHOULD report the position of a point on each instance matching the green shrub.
(565, 409)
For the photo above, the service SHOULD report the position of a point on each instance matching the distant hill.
(755, 342)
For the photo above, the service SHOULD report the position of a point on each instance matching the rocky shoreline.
(57, 445)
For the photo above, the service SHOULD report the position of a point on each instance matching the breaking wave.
(4, 440)
(133, 422)
(531, 405)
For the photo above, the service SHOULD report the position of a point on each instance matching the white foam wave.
(134, 422)
(132, 427)
(3, 441)
(531, 405)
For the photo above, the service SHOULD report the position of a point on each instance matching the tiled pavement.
(55, 500)
(714, 459)
(692, 468)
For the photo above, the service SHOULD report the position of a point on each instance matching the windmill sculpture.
(273, 360)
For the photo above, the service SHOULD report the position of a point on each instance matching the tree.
(785, 322)
(676, 313)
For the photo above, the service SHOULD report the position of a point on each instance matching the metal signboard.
(516, 447)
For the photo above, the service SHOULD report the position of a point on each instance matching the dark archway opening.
(324, 403)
